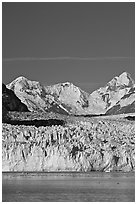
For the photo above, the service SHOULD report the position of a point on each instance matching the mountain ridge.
(71, 99)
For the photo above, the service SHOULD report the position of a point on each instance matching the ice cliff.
(90, 146)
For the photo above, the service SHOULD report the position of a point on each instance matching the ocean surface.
(68, 187)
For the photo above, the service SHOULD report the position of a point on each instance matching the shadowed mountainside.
(11, 102)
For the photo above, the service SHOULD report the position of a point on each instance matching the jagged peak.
(123, 79)
(125, 75)
(24, 83)
(67, 84)
(21, 78)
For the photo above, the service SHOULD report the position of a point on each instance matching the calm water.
(68, 187)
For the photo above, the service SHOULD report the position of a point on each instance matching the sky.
(84, 43)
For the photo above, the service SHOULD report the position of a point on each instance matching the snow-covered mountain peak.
(124, 80)
(21, 78)
(23, 83)
(18, 80)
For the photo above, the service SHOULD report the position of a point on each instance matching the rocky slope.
(11, 102)
(33, 94)
(125, 105)
(119, 91)
(117, 96)
(88, 146)
(71, 97)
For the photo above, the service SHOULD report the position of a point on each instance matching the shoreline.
(67, 173)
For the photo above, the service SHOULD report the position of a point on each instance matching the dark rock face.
(130, 117)
(5, 115)
(10, 102)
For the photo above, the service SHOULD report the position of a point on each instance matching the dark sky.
(84, 43)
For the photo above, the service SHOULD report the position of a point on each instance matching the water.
(68, 187)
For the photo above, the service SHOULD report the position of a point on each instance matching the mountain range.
(116, 97)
